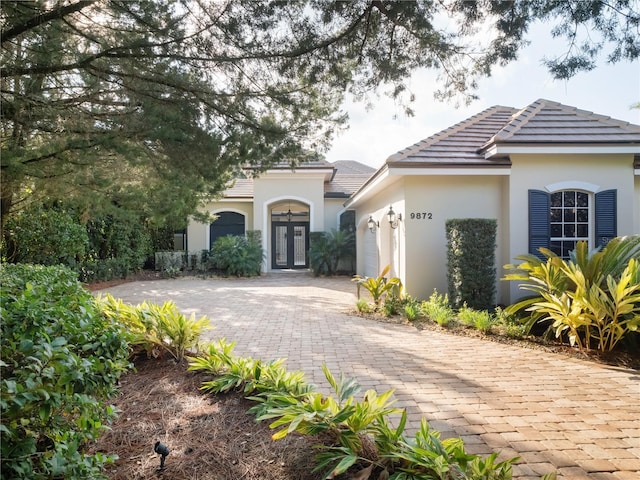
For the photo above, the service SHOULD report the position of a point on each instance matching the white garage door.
(370, 254)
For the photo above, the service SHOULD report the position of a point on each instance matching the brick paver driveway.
(556, 413)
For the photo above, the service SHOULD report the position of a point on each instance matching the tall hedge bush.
(471, 270)
(60, 360)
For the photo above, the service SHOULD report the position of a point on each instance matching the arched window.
(560, 219)
(227, 223)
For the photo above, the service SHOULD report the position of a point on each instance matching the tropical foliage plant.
(328, 249)
(364, 440)
(237, 255)
(380, 286)
(592, 298)
(61, 359)
(154, 328)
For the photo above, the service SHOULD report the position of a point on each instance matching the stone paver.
(557, 413)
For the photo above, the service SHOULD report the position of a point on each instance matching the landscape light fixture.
(161, 449)
(393, 217)
(372, 224)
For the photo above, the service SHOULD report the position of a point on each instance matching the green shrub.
(328, 249)
(471, 271)
(119, 245)
(237, 255)
(363, 306)
(45, 236)
(437, 309)
(412, 308)
(479, 319)
(594, 297)
(60, 360)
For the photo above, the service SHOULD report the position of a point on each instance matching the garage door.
(370, 254)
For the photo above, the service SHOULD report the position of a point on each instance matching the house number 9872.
(421, 216)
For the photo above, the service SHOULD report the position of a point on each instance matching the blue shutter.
(606, 221)
(538, 222)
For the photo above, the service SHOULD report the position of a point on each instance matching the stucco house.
(285, 205)
(550, 174)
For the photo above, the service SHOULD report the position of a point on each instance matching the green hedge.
(471, 270)
(237, 255)
(60, 359)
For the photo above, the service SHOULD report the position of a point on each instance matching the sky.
(375, 134)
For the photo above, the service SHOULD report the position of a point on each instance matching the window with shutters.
(560, 219)
(569, 215)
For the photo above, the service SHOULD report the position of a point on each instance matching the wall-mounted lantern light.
(393, 217)
(372, 224)
(289, 215)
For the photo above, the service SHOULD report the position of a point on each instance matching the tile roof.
(545, 121)
(349, 176)
(457, 145)
(241, 188)
(542, 122)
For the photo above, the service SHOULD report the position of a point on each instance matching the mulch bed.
(210, 437)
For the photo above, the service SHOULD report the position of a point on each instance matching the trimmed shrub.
(60, 359)
(471, 271)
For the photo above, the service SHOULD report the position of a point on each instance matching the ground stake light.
(163, 451)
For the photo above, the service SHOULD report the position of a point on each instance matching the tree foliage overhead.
(149, 105)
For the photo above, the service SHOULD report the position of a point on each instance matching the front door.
(289, 245)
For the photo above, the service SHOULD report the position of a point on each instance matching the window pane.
(569, 230)
(582, 215)
(569, 199)
(567, 247)
(556, 199)
(556, 215)
(582, 199)
(556, 230)
(583, 230)
(556, 248)
(569, 215)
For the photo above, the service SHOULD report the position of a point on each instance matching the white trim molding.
(572, 185)
(560, 149)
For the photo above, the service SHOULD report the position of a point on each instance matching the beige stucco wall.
(303, 187)
(390, 243)
(333, 208)
(198, 233)
(592, 173)
(636, 206)
(433, 200)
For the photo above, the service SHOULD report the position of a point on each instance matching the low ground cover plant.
(61, 361)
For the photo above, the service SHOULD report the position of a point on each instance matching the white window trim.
(572, 185)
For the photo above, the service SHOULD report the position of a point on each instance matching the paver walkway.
(557, 413)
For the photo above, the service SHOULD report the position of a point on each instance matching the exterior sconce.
(289, 215)
(372, 224)
(393, 218)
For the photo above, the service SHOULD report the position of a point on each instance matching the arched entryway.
(289, 235)
(227, 223)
